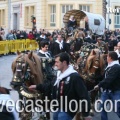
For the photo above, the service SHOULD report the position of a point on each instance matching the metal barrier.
(20, 45)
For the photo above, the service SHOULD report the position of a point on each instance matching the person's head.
(112, 37)
(30, 32)
(59, 38)
(112, 56)
(72, 17)
(118, 46)
(62, 61)
(99, 39)
(44, 46)
(48, 35)
(43, 34)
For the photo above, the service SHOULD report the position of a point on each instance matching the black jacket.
(112, 79)
(72, 23)
(43, 55)
(74, 89)
(47, 64)
(111, 44)
(54, 48)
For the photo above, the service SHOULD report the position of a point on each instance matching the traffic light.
(109, 21)
(34, 20)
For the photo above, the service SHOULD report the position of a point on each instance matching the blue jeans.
(61, 116)
(110, 96)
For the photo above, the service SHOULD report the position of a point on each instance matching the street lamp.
(9, 14)
(109, 20)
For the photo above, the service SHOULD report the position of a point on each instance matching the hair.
(48, 35)
(113, 55)
(43, 43)
(64, 57)
(60, 35)
(93, 37)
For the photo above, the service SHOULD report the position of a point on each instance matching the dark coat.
(43, 55)
(111, 44)
(54, 48)
(74, 89)
(47, 64)
(72, 23)
(112, 79)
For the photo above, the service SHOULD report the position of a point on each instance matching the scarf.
(66, 73)
(42, 36)
(72, 20)
(112, 63)
(60, 44)
(47, 54)
(3, 99)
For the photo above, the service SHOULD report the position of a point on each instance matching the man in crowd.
(118, 51)
(110, 84)
(112, 42)
(102, 45)
(43, 52)
(59, 46)
(72, 24)
(67, 84)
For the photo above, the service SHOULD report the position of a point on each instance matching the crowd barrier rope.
(8, 46)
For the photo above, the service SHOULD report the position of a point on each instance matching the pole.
(108, 15)
(9, 14)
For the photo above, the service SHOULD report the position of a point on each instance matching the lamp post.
(108, 15)
(9, 14)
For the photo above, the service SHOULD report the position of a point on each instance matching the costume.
(103, 47)
(47, 63)
(111, 87)
(72, 24)
(58, 47)
(44, 54)
(67, 84)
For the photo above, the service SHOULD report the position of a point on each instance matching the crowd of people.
(110, 37)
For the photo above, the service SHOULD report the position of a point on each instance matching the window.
(84, 8)
(52, 15)
(2, 17)
(64, 9)
(117, 18)
(29, 11)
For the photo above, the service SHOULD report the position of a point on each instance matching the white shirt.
(118, 53)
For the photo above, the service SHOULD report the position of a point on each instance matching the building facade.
(113, 14)
(16, 14)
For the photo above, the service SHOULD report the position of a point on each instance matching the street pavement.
(6, 77)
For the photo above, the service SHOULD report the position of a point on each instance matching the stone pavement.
(6, 77)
